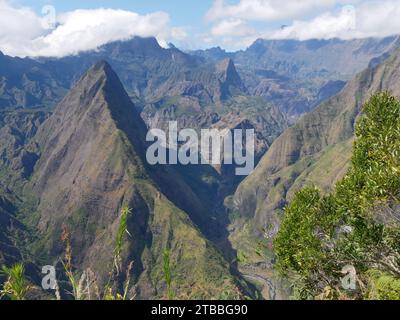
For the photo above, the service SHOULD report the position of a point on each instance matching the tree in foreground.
(357, 226)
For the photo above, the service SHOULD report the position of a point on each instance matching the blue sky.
(189, 14)
(190, 24)
(182, 12)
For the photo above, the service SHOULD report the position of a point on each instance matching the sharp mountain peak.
(99, 87)
(97, 101)
(227, 69)
(226, 65)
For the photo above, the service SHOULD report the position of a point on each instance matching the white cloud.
(326, 19)
(370, 19)
(325, 26)
(17, 27)
(231, 33)
(268, 10)
(378, 18)
(22, 32)
(232, 27)
(179, 34)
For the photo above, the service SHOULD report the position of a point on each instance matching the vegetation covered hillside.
(89, 162)
(315, 151)
(346, 244)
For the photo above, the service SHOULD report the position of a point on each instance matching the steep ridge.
(314, 151)
(91, 163)
(229, 78)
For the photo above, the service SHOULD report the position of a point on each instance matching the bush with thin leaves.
(16, 286)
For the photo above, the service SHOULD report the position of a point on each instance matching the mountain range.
(89, 160)
(73, 142)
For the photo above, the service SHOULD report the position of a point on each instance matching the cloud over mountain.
(369, 19)
(246, 20)
(24, 33)
(231, 24)
(267, 9)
